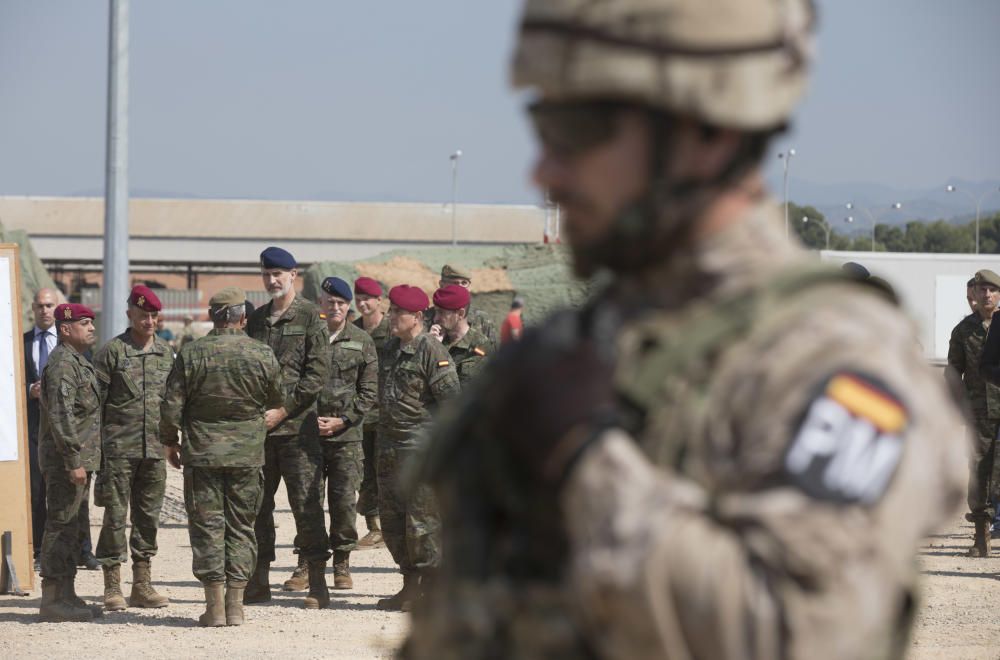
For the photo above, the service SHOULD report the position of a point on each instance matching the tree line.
(914, 236)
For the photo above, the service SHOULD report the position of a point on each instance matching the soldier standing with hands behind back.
(217, 393)
(964, 351)
(292, 327)
(69, 449)
(132, 371)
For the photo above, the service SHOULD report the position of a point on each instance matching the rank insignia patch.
(443, 363)
(850, 441)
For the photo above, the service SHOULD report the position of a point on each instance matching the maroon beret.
(144, 298)
(452, 296)
(410, 298)
(73, 312)
(366, 286)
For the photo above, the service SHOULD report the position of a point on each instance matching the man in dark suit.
(39, 342)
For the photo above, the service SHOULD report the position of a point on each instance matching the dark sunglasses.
(573, 127)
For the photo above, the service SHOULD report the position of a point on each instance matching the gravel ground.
(959, 617)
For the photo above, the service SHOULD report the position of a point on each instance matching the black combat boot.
(259, 588)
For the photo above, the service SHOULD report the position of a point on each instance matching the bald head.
(44, 308)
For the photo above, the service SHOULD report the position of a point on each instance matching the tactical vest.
(664, 393)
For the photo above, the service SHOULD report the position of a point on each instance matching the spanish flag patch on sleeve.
(478, 351)
(443, 363)
(850, 440)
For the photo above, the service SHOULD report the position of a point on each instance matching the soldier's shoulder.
(162, 345)
(307, 308)
(425, 344)
(354, 333)
(477, 342)
(968, 324)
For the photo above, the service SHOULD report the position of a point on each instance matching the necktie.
(43, 351)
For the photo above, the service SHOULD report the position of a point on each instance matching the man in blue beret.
(293, 328)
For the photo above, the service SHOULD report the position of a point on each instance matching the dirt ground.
(959, 617)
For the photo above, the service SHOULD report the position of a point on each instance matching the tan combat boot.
(342, 571)
(114, 600)
(143, 594)
(215, 608)
(259, 588)
(234, 603)
(68, 586)
(402, 601)
(373, 538)
(55, 608)
(319, 593)
(300, 577)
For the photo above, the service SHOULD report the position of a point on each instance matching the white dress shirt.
(50, 339)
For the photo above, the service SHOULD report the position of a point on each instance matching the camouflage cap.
(228, 297)
(987, 277)
(450, 272)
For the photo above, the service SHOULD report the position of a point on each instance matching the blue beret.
(338, 287)
(275, 257)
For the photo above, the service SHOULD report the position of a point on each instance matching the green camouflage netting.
(33, 273)
(538, 273)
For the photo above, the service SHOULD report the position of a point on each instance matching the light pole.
(822, 223)
(851, 206)
(979, 204)
(785, 157)
(454, 194)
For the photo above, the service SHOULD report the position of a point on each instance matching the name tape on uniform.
(850, 441)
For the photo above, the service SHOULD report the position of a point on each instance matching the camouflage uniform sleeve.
(103, 368)
(275, 391)
(172, 404)
(956, 351)
(60, 387)
(664, 566)
(367, 388)
(441, 374)
(315, 371)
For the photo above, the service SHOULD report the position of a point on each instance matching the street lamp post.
(871, 218)
(785, 157)
(822, 223)
(978, 202)
(454, 194)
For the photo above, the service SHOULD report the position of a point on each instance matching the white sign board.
(8, 376)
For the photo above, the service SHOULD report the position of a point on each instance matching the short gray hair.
(229, 315)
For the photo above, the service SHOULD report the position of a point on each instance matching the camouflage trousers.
(61, 539)
(410, 521)
(299, 461)
(984, 469)
(368, 493)
(342, 471)
(124, 483)
(222, 504)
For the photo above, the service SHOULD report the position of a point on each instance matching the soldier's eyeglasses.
(572, 127)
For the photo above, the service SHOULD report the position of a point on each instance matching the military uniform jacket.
(964, 350)
(216, 393)
(481, 321)
(412, 380)
(352, 387)
(70, 433)
(300, 341)
(469, 354)
(380, 335)
(131, 381)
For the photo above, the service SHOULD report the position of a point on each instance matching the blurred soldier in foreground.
(217, 393)
(374, 321)
(478, 319)
(349, 393)
(69, 450)
(292, 327)
(964, 352)
(467, 346)
(415, 376)
(730, 452)
(132, 371)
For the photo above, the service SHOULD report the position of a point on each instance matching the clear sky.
(329, 99)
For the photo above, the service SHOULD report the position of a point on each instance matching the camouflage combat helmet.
(729, 63)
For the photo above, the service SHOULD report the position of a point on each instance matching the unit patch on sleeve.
(850, 440)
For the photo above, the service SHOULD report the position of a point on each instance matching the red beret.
(144, 298)
(366, 286)
(410, 298)
(73, 312)
(452, 296)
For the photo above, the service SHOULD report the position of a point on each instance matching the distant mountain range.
(918, 204)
